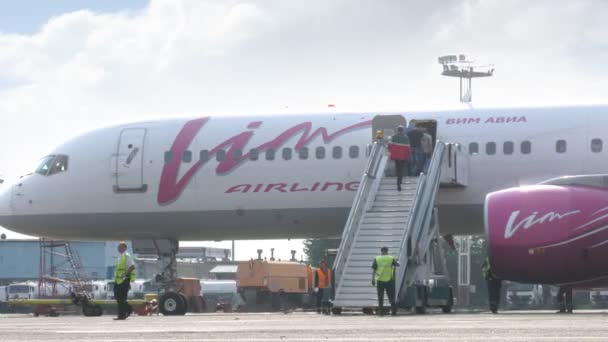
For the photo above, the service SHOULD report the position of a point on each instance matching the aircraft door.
(129, 160)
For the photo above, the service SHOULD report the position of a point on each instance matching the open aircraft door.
(129, 161)
(455, 166)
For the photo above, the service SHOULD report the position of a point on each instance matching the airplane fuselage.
(279, 176)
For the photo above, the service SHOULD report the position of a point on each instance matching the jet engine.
(549, 234)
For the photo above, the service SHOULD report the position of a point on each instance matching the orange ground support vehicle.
(274, 285)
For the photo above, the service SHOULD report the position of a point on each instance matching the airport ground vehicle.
(25, 290)
(136, 291)
(522, 296)
(3, 299)
(599, 298)
(220, 295)
(273, 285)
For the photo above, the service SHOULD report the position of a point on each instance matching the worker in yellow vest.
(124, 274)
(383, 277)
(323, 288)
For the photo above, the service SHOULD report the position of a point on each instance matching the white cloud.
(83, 69)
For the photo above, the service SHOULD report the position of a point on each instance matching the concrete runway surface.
(509, 326)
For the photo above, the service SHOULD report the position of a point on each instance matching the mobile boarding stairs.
(404, 221)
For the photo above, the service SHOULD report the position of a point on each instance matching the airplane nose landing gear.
(172, 302)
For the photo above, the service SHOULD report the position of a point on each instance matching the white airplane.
(277, 176)
(217, 178)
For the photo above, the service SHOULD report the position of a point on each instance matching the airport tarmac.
(508, 326)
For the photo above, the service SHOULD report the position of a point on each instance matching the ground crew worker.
(383, 277)
(399, 149)
(494, 285)
(323, 287)
(564, 299)
(124, 274)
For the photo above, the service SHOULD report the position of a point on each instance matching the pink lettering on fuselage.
(295, 187)
(170, 187)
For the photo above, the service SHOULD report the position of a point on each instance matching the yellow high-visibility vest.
(384, 268)
(121, 270)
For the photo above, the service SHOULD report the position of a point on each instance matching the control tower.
(465, 69)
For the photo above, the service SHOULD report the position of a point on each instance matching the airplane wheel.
(172, 304)
(92, 310)
(420, 310)
(185, 306)
(336, 310)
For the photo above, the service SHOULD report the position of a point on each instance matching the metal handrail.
(434, 179)
(358, 207)
(425, 194)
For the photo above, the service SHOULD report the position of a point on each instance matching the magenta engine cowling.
(548, 234)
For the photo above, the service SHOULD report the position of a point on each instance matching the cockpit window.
(45, 165)
(59, 165)
(53, 164)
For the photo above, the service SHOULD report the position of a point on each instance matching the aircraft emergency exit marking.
(170, 187)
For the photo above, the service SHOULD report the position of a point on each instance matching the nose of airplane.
(6, 211)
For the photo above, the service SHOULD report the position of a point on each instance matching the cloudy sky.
(72, 65)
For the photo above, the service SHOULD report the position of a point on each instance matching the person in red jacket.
(399, 149)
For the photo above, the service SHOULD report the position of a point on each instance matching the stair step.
(367, 251)
(397, 196)
(375, 214)
(377, 244)
(386, 230)
(367, 282)
(386, 209)
(394, 201)
(379, 221)
(380, 237)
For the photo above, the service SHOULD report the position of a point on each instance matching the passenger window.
(168, 156)
(187, 156)
(473, 148)
(303, 153)
(220, 155)
(337, 152)
(45, 165)
(508, 147)
(254, 154)
(59, 165)
(353, 152)
(320, 152)
(270, 154)
(237, 154)
(526, 147)
(204, 155)
(560, 146)
(491, 148)
(287, 153)
(596, 145)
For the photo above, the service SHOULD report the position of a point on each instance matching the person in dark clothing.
(494, 285)
(399, 148)
(383, 277)
(564, 299)
(417, 160)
